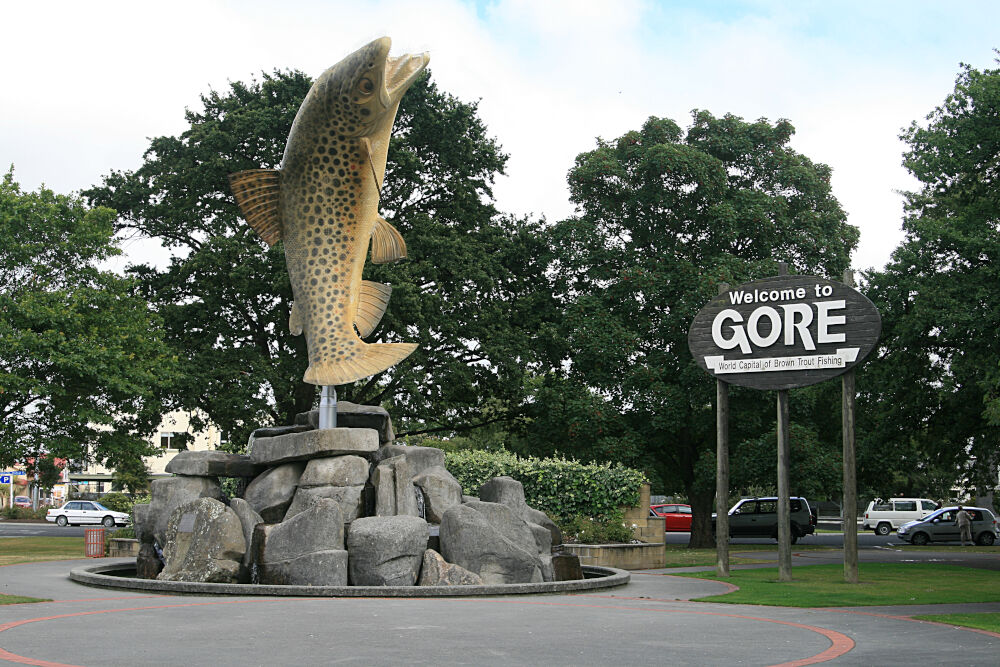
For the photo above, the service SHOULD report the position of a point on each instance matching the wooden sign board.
(784, 332)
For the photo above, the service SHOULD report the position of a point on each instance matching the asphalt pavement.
(652, 620)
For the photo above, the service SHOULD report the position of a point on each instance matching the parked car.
(884, 516)
(758, 517)
(76, 512)
(940, 526)
(22, 501)
(676, 518)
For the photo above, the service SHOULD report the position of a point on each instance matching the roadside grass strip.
(679, 555)
(881, 584)
(16, 550)
(989, 621)
(19, 599)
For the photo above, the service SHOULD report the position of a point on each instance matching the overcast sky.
(86, 84)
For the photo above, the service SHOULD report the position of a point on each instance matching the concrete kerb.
(97, 575)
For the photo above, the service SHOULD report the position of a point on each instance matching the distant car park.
(676, 517)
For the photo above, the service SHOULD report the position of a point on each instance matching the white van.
(885, 516)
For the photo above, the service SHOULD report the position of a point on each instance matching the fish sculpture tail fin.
(376, 358)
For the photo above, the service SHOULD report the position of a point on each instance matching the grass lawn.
(985, 621)
(679, 555)
(881, 584)
(18, 599)
(14, 550)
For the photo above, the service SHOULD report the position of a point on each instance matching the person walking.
(964, 523)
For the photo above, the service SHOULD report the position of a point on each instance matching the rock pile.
(338, 507)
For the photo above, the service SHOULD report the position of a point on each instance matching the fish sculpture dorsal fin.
(256, 192)
(373, 299)
(295, 323)
(387, 243)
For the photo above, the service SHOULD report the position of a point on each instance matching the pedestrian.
(964, 523)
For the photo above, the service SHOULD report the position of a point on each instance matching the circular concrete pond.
(121, 574)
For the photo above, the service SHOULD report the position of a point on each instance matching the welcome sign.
(784, 332)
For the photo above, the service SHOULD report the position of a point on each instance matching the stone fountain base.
(116, 575)
(341, 508)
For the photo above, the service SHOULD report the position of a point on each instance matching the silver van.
(941, 527)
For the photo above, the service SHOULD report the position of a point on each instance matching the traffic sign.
(4, 479)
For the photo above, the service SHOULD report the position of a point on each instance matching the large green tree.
(664, 216)
(80, 353)
(472, 292)
(932, 405)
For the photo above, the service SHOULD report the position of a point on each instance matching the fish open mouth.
(401, 71)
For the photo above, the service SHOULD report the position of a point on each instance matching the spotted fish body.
(323, 203)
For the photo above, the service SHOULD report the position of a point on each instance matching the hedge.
(561, 487)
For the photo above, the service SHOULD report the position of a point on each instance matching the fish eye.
(366, 86)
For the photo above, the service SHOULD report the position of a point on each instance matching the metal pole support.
(328, 407)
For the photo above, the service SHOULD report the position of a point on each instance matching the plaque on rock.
(784, 332)
(186, 524)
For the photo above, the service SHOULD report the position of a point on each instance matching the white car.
(884, 516)
(76, 512)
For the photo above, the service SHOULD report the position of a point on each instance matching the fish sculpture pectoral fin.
(376, 358)
(256, 192)
(372, 302)
(387, 243)
(295, 323)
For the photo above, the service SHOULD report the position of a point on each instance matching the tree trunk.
(701, 520)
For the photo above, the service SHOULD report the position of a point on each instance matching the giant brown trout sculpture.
(323, 204)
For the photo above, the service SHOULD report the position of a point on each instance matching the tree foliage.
(934, 391)
(80, 354)
(470, 294)
(663, 217)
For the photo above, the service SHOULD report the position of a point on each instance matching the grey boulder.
(510, 492)
(419, 458)
(393, 487)
(348, 497)
(436, 571)
(248, 520)
(212, 464)
(441, 491)
(306, 550)
(491, 542)
(270, 493)
(147, 563)
(566, 567)
(313, 445)
(204, 543)
(140, 523)
(386, 550)
(335, 471)
(169, 493)
(352, 415)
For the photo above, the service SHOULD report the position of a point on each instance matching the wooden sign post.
(780, 333)
(722, 471)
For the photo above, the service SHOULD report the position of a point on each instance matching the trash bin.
(94, 538)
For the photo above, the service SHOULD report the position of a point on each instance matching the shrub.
(126, 533)
(116, 502)
(23, 513)
(561, 487)
(596, 530)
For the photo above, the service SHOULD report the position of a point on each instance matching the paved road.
(649, 621)
(24, 529)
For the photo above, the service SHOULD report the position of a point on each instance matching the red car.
(677, 518)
